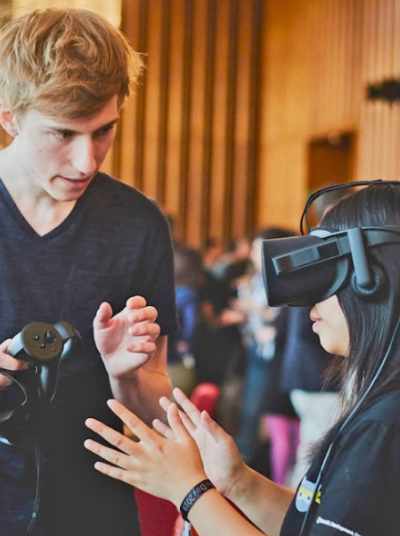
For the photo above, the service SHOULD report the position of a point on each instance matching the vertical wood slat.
(127, 142)
(209, 120)
(195, 198)
(165, 70)
(392, 172)
(217, 192)
(230, 122)
(396, 74)
(186, 111)
(255, 123)
(369, 45)
(385, 72)
(135, 116)
(151, 148)
(174, 179)
(242, 106)
(335, 63)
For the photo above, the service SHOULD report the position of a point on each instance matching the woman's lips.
(315, 325)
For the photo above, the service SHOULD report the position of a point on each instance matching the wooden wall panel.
(287, 90)
(343, 45)
(379, 124)
(190, 138)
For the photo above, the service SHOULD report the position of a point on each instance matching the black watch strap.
(194, 494)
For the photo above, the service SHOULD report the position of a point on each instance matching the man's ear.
(8, 121)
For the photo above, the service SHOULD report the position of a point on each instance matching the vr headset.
(304, 270)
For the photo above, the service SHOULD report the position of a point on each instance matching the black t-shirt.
(114, 244)
(359, 492)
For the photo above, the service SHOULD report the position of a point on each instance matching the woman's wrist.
(240, 481)
(183, 488)
(194, 494)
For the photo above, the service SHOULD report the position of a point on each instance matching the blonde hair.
(64, 62)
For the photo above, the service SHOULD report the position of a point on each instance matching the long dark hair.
(371, 322)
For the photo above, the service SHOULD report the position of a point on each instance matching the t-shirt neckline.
(26, 226)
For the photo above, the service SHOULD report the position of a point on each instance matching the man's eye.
(62, 134)
(104, 131)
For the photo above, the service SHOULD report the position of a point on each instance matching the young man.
(75, 245)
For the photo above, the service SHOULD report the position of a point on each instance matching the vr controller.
(45, 346)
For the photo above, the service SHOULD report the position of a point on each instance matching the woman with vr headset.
(350, 267)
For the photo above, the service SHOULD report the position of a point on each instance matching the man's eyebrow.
(107, 125)
(69, 130)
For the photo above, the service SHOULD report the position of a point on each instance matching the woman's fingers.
(139, 429)
(165, 403)
(215, 431)
(163, 429)
(189, 408)
(190, 427)
(115, 472)
(176, 423)
(113, 456)
(112, 436)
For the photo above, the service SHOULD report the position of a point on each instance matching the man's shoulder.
(125, 199)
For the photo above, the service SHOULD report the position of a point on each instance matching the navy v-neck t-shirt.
(114, 244)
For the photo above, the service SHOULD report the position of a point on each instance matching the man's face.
(60, 157)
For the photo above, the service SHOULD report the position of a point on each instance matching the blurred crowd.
(259, 370)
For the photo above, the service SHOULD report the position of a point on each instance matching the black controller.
(44, 346)
(40, 343)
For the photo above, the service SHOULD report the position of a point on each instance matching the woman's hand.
(221, 458)
(167, 467)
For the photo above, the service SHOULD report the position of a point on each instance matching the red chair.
(156, 516)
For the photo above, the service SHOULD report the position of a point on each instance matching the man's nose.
(84, 156)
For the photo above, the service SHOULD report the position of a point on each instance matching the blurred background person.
(188, 278)
(264, 331)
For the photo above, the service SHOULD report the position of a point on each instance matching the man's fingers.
(142, 347)
(103, 315)
(142, 314)
(136, 302)
(163, 429)
(4, 345)
(137, 427)
(112, 436)
(145, 328)
(189, 408)
(10, 363)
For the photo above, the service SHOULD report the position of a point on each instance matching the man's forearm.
(142, 393)
(261, 500)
